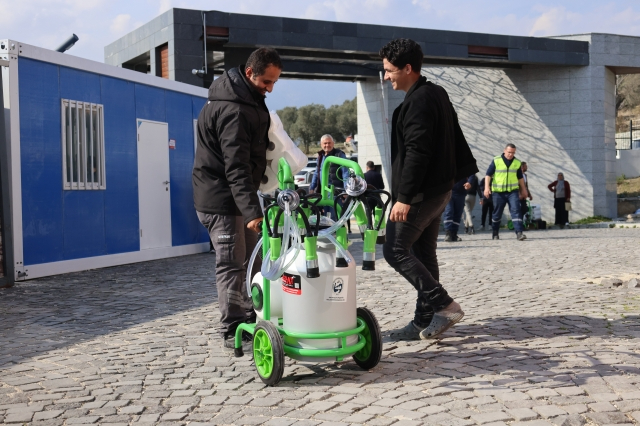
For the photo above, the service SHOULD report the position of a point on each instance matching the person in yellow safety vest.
(505, 184)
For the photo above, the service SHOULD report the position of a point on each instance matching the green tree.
(288, 116)
(347, 122)
(309, 125)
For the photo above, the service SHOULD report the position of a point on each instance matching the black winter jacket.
(428, 150)
(231, 154)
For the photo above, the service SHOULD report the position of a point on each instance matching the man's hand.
(530, 197)
(254, 225)
(467, 186)
(487, 193)
(480, 201)
(399, 212)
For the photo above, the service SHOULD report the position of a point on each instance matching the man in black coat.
(230, 161)
(428, 153)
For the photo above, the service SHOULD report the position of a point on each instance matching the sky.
(47, 23)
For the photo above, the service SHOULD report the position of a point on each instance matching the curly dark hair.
(403, 51)
(261, 58)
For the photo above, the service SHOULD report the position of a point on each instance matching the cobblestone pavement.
(543, 343)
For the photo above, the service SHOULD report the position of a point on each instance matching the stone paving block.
(600, 407)
(82, 420)
(607, 418)
(626, 406)
(320, 406)
(549, 411)
(47, 415)
(636, 416)
(149, 418)
(358, 418)
(173, 417)
(497, 416)
(575, 408)
(280, 421)
(19, 417)
(446, 419)
(331, 416)
(405, 414)
(523, 414)
(132, 409)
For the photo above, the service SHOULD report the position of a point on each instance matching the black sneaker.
(247, 342)
(447, 236)
(495, 236)
(472, 231)
(521, 236)
(455, 238)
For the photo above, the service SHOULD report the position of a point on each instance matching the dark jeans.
(487, 207)
(411, 250)
(500, 200)
(524, 208)
(453, 212)
(233, 244)
(562, 215)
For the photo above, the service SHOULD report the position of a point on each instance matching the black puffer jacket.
(232, 145)
(428, 149)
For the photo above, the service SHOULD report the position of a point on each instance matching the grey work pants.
(233, 244)
(469, 204)
(411, 250)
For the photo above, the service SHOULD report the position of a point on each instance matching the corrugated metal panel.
(121, 216)
(41, 161)
(184, 223)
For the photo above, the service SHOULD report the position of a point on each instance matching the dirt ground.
(629, 187)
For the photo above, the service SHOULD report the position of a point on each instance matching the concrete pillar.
(373, 145)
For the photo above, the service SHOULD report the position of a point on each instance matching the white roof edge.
(592, 34)
(63, 59)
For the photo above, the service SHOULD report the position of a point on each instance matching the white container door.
(154, 189)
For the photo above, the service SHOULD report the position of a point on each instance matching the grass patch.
(592, 219)
(628, 187)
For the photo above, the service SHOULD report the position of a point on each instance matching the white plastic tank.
(319, 305)
(276, 297)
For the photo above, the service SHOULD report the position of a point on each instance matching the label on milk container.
(336, 290)
(291, 284)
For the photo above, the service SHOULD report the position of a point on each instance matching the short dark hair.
(403, 51)
(370, 164)
(523, 163)
(261, 58)
(510, 145)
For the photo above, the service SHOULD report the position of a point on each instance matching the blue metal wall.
(60, 225)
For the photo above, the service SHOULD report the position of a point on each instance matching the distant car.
(305, 181)
(300, 177)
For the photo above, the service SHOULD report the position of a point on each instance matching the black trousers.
(562, 215)
(487, 208)
(411, 250)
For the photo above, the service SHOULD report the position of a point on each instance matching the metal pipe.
(204, 24)
(68, 44)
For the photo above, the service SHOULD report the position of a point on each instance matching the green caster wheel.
(268, 353)
(369, 356)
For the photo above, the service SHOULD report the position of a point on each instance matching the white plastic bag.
(280, 146)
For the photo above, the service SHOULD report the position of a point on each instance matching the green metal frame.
(285, 178)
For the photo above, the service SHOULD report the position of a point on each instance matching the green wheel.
(369, 356)
(268, 353)
(510, 225)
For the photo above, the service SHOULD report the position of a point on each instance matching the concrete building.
(552, 97)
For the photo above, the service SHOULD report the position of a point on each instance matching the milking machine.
(305, 293)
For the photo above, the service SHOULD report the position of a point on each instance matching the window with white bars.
(82, 145)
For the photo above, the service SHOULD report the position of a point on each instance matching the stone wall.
(628, 163)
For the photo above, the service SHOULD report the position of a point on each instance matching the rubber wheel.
(268, 353)
(369, 356)
(510, 226)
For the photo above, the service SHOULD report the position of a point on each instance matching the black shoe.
(466, 230)
(247, 342)
(455, 238)
(447, 236)
(496, 235)
(472, 231)
(521, 236)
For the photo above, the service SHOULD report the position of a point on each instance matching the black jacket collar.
(422, 80)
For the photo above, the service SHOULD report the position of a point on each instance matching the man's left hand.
(399, 212)
(467, 186)
(255, 225)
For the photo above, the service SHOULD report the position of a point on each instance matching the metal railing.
(628, 136)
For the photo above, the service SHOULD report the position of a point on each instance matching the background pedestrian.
(562, 194)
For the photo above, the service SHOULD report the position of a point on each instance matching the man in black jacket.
(428, 153)
(229, 164)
